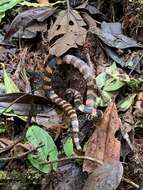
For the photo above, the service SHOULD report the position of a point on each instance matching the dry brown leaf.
(103, 145)
(69, 27)
(42, 1)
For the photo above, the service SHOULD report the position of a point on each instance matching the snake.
(89, 106)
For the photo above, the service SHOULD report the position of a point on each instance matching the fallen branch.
(74, 158)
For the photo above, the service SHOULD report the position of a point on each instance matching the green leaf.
(2, 175)
(2, 88)
(10, 86)
(127, 102)
(2, 129)
(107, 96)
(68, 147)
(6, 5)
(2, 15)
(37, 136)
(133, 83)
(101, 79)
(112, 69)
(113, 85)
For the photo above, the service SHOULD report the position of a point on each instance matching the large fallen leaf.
(105, 177)
(21, 103)
(37, 136)
(103, 145)
(69, 27)
(28, 17)
(111, 35)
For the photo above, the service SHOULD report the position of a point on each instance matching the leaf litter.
(70, 27)
(117, 58)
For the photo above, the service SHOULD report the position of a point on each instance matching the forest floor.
(37, 148)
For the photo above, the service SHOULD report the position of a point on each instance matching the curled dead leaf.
(103, 145)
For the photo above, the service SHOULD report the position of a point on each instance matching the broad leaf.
(28, 17)
(111, 35)
(68, 147)
(127, 102)
(37, 136)
(24, 101)
(103, 145)
(69, 27)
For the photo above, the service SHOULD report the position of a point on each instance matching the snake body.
(89, 107)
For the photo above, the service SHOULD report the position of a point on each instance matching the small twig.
(130, 182)
(21, 155)
(18, 156)
(74, 158)
(10, 146)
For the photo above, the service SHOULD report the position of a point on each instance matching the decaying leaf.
(23, 104)
(133, 62)
(111, 35)
(69, 27)
(27, 18)
(103, 145)
(105, 177)
(92, 10)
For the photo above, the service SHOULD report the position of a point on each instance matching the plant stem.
(74, 158)
(68, 5)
